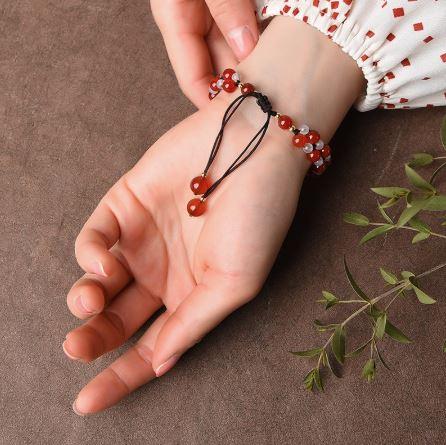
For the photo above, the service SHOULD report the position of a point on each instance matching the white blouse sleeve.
(400, 45)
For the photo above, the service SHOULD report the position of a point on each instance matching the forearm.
(304, 74)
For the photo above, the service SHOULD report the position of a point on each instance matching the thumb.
(203, 309)
(237, 22)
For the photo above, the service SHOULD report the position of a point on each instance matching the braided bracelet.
(309, 141)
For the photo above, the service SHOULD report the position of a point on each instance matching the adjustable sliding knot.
(264, 103)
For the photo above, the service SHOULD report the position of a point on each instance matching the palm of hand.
(200, 269)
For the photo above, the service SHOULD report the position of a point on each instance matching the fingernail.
(76, 410)
(242, 41)
(166, 366)
(82, 305)
(98, 268)
(67, 353)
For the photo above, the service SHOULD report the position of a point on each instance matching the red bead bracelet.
(309, 141)
(318, 153)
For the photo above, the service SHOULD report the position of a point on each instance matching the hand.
(204, 37)
(141, 251)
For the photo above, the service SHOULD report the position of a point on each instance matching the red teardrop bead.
(314, 156)
(229, 85)
(196, 207)
(299, 140)
(326, 151)
(285, 122)
(247, 88)
(313, 137)
(227, 73)
(199, 185)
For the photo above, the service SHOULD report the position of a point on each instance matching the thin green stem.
(436, 172)
(350, 301)
(373, 301)
(439, 235)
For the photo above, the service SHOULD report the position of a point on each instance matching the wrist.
(304, 74)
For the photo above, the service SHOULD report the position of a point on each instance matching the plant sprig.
(421, 197)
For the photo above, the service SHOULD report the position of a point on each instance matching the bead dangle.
(309, 141)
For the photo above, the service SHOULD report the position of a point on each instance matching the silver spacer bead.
(307, 148)
(220, 83)
(235, 77)
(328, 158)
(292, 128)
(304, 129)
(319, 162)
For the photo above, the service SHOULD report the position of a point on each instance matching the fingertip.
(67, 352)
(76, 410)
(166, 366)
(104, 391)
(82, 344)
(97, 267)
(86, 298)
(242, 41)
(89, 305)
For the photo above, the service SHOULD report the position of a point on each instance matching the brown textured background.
(85, 87)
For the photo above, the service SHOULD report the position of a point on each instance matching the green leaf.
(412, 210)
(421, 295)
(338, 344)
(384, 214)
(381, 325)
(328, 299)
(321, 327)
(421, 159)
(391, 202)
(359, 292)
(417, 180)
(393, 332)
(381, 358)
(308, 353)
(436, 204)
(369, 370)
(406, 274)
(420, 237)
(388, 276)
(376, 232)
(358, 350)
(443, 132)
(356, 218)
(318, 380)
(421, 226)
(390, 192)
(309, 380)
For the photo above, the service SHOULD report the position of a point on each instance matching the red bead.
(196, 207)
(247, 88)
(299, 140)
(326, 151)
(213, 85)
(313, 137)
(319, 170)
(314, 156)
(199, 185)
(285, 122)
(229, 86)
(227, 73)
